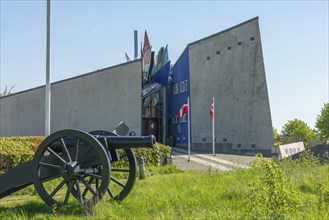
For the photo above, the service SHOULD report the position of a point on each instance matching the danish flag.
(212, 108)
(183, 110)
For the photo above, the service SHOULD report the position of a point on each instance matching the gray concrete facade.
(229, 66)
(98, 100)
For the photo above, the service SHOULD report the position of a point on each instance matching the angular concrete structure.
(229, 66)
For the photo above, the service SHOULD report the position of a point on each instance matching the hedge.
(16, 150)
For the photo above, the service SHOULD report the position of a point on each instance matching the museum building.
(228, 66)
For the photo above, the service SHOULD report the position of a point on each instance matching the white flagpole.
(188, 130)
(213, 127)
(47, 87)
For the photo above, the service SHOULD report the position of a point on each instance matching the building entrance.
(152, 110)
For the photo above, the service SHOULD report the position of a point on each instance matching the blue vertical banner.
(162, 75)
(179, 93)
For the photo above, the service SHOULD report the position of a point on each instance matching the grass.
(268, 190)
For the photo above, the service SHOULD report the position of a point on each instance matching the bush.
(271, 191)
(16, 150)
(285, 188)
(152, 156)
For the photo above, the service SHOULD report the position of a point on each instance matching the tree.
(276, 137)
(275, 134)
(6, 91)
(297, 129)
(322, 122)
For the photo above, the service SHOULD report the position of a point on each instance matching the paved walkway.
(204, 161)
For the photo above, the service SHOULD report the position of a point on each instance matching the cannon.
(73, 167)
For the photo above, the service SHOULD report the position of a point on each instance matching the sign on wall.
(287, 150)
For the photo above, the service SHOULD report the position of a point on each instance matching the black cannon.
(73, 167)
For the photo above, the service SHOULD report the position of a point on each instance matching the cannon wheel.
(67, 161)
(122, 178)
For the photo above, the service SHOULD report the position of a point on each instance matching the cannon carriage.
(73, 167)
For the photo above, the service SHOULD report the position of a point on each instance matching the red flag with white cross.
(212, 108)
(183, 110)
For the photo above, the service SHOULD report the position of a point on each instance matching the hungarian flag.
(212, 108)
(183, 110)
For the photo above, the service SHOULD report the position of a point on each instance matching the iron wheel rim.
(69, 170)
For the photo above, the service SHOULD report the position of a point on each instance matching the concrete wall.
(229, 65)
(23, 113)
(94, 101)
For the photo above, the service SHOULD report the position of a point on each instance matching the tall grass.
(268, 190)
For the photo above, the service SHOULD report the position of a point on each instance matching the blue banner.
(162, 75)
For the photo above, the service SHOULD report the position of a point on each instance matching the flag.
(147, 78)
(212, 108)
(165, 56)
(162, 75)
(183, 110)
(212, 115)
(157, 64)
(161, 60)
(146, 53)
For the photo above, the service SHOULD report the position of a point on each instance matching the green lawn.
(268, 190)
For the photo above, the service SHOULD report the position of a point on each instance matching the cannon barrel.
(112, 142)
(125, 142)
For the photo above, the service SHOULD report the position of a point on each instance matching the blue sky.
(91, 35)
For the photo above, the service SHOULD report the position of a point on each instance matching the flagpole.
(47, 87)
(213, 128)
(188, 130)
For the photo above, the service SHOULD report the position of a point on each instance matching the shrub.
(152, 156)
(272, 193)
(16, 150)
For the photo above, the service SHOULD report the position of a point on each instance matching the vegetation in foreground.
(269, 190)
(16, 150)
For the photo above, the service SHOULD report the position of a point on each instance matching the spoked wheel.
(123, 170)
(71, 168)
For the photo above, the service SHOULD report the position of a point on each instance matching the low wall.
(98, 100)
(320, 151)
(225, 148)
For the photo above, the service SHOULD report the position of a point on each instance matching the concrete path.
(204, 161)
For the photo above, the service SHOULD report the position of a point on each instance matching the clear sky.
(91, 35)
